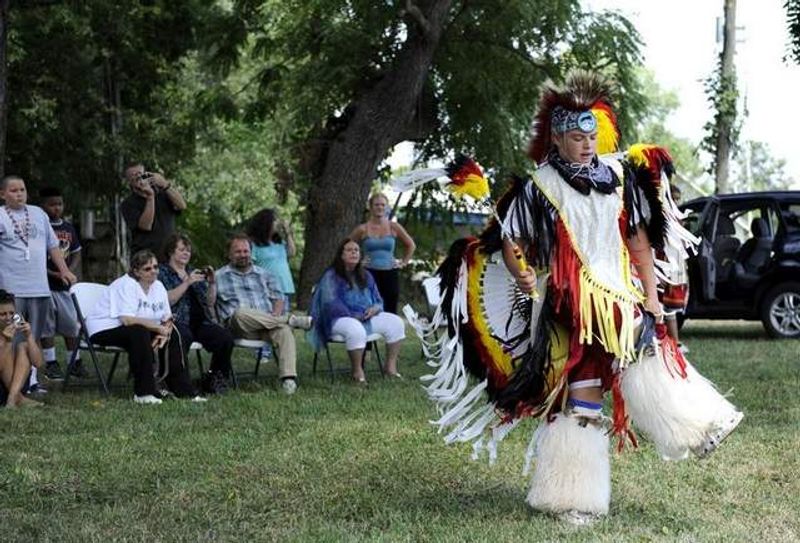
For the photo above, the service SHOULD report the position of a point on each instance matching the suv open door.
(706, 263)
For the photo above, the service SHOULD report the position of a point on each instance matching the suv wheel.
(780, 310)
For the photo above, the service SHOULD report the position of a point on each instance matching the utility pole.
(727, 85)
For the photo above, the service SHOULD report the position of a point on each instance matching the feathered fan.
(461, 177)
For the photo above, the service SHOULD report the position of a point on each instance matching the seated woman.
(18, 352)
(192, 295)
(134, 314)
(346, 302)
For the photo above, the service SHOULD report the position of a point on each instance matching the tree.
(3, 79)
(652, 127)
(91, 83)
(351, 79)
(759, 169)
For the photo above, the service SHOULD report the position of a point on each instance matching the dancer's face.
(576, 146)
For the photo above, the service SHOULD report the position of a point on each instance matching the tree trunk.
(382, 117)
(3, 83)
(723, 151)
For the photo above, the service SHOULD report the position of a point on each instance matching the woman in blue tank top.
(378, 237)
(272, 245)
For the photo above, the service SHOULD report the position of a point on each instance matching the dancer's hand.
(652, 305)
(526, 280)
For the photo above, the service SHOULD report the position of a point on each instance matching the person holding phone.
(18, 352)
(347, 302)
(192, 294)
(151, 208)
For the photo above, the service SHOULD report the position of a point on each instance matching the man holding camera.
(151, 208)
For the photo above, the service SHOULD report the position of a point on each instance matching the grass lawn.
(339, 463)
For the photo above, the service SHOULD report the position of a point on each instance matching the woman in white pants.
(346, 302)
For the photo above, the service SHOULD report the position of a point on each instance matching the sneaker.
(147, 399)
(301, 321)
(36, 390)
(289, 386)
(164, 394)
(579, 518)
(53, 372)
(718, 435)
(77, 370)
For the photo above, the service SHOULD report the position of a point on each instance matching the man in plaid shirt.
(250, 303)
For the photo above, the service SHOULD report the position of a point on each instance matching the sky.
(681, 50)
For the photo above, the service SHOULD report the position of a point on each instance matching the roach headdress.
(582, 96)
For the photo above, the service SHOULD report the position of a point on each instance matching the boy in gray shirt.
(26, 239)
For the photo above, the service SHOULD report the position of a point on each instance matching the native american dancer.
(556, 303)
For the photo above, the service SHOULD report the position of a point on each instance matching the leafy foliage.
(652, 127)
(318, 58)
(723, 95)
(73, 67)
(759, 169)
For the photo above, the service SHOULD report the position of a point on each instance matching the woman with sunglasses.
(134, 314)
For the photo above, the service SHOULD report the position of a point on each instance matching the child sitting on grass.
(18, 351)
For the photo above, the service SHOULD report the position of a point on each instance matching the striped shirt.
(255, 288)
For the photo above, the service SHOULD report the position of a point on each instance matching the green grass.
(340, 463)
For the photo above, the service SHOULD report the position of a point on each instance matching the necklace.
(22, 233)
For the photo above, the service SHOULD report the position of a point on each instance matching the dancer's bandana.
(564, 120)
(595, 175)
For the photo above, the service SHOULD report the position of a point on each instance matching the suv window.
(742, 220)
(790, 211)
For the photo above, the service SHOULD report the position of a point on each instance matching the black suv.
(748, 263)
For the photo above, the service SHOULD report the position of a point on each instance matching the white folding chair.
(262, 349)
(430, 287)
(84, 297)
(372, 344)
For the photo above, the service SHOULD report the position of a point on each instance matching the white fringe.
(679, 243)
(464, 413)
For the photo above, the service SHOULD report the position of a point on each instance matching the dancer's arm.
(642, 254)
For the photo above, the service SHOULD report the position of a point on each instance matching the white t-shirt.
(126, 298)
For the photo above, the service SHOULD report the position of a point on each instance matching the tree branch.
(419, 17)
(520, 54)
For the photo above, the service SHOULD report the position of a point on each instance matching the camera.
(147, 177)
(17, 319)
